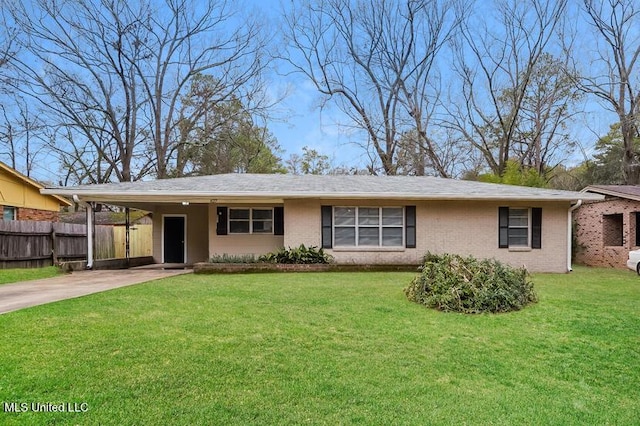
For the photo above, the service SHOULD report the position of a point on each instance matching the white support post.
(89, 209)
(569, 227)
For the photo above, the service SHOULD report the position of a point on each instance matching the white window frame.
(357, 227)
(528, 227)
(251, 220)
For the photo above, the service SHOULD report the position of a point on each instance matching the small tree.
(310, 163)
(515, 174)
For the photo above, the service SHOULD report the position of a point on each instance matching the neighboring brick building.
(605, 231)
(20, 198)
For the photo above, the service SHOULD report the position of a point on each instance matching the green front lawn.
(15, 275)
(326, 348)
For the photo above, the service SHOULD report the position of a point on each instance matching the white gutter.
(89, 208)
(208, 197)
(569, 223)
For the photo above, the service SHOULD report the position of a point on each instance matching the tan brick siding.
(467, 228)
(592, 222)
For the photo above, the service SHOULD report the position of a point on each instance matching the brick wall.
(466, 228)
(37, 215)
(601, 240)
(23, 213)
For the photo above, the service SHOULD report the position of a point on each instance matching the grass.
(15, 275)
(326, 348)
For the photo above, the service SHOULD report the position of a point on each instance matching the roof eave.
(610, 192)
(211, 197)
(33, 183)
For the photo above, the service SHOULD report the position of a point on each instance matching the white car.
(634, 261)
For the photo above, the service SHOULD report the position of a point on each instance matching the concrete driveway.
(80, 283)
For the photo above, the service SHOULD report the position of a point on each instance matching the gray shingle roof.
(280, 186)
(631, 192)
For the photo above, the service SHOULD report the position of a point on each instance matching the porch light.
(185, 203)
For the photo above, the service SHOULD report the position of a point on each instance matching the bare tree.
(377, 63)
(7, 36)
(110, 74)
(542, 137)
(8, 138)
(614, 77)
(21, 134)
(500, 61)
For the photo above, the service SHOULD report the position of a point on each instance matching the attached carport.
(180, 223)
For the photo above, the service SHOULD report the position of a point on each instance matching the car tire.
(638, 268)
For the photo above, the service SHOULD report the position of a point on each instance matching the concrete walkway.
(80, 283)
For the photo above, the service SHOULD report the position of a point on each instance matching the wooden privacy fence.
(25, 244)
(140, 241)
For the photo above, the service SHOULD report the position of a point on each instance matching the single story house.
(357, 219)
(607, 229)
(20, 198)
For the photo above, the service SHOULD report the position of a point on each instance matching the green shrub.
(465, 284)
(298, 255)
(233, 258)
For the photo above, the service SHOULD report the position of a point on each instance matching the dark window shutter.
(536, 228)
(410, 229)
(503, 227)
(278, 220)
(221, 228)
(327, 213)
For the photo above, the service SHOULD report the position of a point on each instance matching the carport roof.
(277, 187)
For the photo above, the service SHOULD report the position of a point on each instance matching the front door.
(174, 239)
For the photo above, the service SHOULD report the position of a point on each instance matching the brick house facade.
(606, 230)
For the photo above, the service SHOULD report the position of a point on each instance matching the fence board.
(25, 244)
(140, 241)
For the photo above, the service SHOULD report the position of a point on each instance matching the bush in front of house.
(233, 258)
(298, 255)
(450, 282)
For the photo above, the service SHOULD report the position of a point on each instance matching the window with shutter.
(520, 227)
(346, 226)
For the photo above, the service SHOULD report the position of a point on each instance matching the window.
(9, 213)
(250, 221)
(520, 227)
(612, 229)
(368, 226)
(637, 231)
